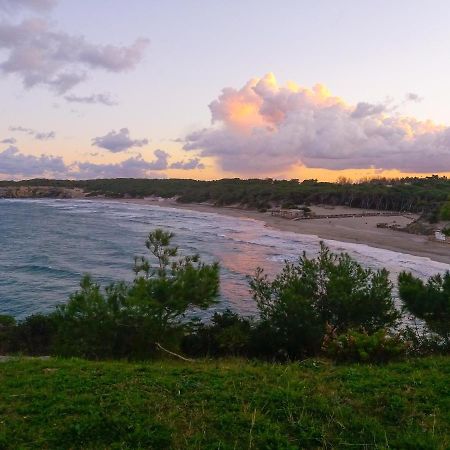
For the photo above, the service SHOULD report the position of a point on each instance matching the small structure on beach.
(288, 213)
(440, 236)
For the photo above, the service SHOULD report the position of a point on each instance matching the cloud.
(193, 163)
(35, 5)
(412, 97)
(103, 99)
(134, 167)
(118, 141)
(364, 109)
(13, 163)
(45, 136)
(266, 128)
(42, 56)
(11, 141)
(160, 163)
(39, 135)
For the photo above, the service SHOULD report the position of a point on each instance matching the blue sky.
(374, 52)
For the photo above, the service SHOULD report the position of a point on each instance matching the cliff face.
(39, 192)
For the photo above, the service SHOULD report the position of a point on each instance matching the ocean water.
(47, 245)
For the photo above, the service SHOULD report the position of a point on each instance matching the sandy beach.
(360, 230)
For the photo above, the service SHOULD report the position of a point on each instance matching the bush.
(7, 325)
(228, 334)
(428, 301)
(445, 211)
(35, 335)
(354, 346)
(130, 320)
(420, 342)
(307, 297)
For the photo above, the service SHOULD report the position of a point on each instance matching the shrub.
(228, 334)
(445, 211)
(420, 342)
(7, 321)
(428, 301)
(35, 335)
(129, 320)
(7, 325)
(354, 346)
(306, 297)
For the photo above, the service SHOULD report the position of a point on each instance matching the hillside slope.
(224, 404)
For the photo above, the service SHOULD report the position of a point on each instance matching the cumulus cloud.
(36, 5)
(39, 135)
(267, 128)
(193, 163)
(103, 99)
(118, 141)
(13, 163)
(40, 55)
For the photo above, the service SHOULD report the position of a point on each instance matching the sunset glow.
(84, 102)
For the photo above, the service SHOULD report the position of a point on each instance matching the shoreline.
(355, 230)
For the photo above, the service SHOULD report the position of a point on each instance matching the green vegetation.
(224, 404)
(445, 210)
(428, 301)
(329, 305)
(425, 195)
(132, 319)
(330, 291)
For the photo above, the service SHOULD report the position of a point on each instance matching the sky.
(210, 89)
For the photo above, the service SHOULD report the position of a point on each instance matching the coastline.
(356, 230)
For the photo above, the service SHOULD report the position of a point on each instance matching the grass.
(230, 404)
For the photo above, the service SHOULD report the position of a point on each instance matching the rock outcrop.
(39, 192)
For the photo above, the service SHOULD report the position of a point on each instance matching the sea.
(47, 245)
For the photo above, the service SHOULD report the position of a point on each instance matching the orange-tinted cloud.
(267, 128)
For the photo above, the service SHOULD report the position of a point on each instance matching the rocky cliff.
(39, 192)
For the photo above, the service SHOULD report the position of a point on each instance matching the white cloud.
(267, 128)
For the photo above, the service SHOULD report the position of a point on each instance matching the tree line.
(324, 306)
(427, 195)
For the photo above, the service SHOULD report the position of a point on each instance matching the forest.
(428, 195)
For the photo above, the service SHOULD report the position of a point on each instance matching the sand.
(361, 230)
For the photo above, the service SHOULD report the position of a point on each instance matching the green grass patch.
(229, 404)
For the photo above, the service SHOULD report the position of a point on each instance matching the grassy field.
(224, 404)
